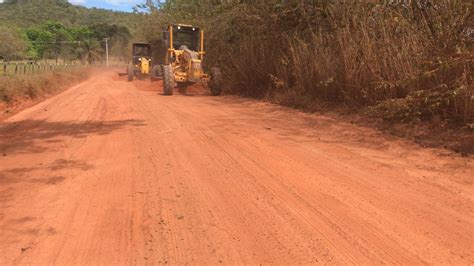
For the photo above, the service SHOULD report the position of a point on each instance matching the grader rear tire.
(168, 80)
(130, 72)
(215, 84)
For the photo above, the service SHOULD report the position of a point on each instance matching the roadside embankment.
(20, 91)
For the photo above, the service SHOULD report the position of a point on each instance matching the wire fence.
(26, 67)
(11, 69)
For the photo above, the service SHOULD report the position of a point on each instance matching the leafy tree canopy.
(25, 13)
(58, 29)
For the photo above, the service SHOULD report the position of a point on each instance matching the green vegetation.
(53, 40)
(399, 60)
(27, 13)
(52, 29)
(55, 30)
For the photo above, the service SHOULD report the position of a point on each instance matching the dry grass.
(25, 87)
(398, 62)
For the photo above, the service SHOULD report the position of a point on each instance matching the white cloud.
(77, 2)
(110, 2)
(119, 2)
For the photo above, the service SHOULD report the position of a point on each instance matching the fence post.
(16, 68)
(4, 69)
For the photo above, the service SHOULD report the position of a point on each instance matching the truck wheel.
(168, 79)
(156, 71)
(130, 72)
(215, 84)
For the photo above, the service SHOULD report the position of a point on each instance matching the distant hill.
(25, 13)
(28, 28)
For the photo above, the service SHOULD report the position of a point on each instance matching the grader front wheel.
(168, 80)
(215, 84)
(130, 72)
(156, 71)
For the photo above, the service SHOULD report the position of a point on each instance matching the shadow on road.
(32, 136)
(24, 174)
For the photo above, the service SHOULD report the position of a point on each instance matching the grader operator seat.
(188, 54)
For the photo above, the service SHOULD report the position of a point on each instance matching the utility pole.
(107, 50)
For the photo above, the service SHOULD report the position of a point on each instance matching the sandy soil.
(113, 172)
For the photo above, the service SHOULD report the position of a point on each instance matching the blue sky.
(120, 5)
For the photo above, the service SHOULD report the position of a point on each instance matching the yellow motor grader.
(183, 61)
(141, 64)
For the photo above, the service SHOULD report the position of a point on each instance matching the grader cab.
(184, 58)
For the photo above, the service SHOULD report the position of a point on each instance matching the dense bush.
(12, 45)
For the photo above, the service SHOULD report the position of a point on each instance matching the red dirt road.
(110, 173)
